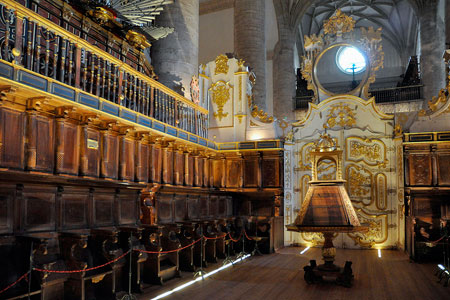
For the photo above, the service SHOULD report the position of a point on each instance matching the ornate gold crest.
(339, 23)
(340, 114)
(221, 64)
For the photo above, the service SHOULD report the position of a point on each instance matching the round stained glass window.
(350, 59)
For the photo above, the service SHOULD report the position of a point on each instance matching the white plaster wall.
(216, 35)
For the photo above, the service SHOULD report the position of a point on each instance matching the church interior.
(224, 149)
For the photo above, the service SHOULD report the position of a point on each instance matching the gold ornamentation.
(253, 124)
(221, 64)
(240, 88)
(340, 114)
(137, 40)
(398, 131)
(381, 191)
(98, 278)
(339, 23)
(241, 66)
(375, 234)
(358, 183)
(435, 101)
(101, 15)
(220, 96)
(313, 42)
(371, 152)
(261, 115)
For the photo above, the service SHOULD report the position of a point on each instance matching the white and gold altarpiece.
(372, 154)
(226, 85)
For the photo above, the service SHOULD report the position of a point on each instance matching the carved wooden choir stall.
(100, 163)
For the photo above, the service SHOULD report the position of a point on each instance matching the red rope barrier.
(169, 251)
(231, 238)
(217, 237)
(14, 283)
(248, 238)
(85, 270)
(437, 241)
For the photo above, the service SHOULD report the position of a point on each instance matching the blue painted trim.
(193, 139)
(202, 142)
(158, 126)
(110, 109)
(247, 145)
(183, 135)
(6, 71)
(32, 80)
(171, 131)
(128, 115)
(88, 100)
(267, 144)
(62, 91)
(144, 121)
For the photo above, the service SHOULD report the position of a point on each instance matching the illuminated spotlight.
(199, 278)
(379, 253)
(446, 272)
(304, 250)
(441, 267)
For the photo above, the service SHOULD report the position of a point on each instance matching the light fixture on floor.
(178, 288)
(304, 250)
(379, 253)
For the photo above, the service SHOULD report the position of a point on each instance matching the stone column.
(175, 58)
(283, 67)
(432, 46)
(250, 42)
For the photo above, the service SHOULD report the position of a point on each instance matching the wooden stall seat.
(160, 267)
(84, 249)
(196, 229)
(137, 260)
(186, 237)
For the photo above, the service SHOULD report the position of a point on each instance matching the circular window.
(350, 60)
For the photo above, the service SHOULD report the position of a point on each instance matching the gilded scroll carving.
(377, 233)
(340, 115)
(221, 64)
(220, 96)
(370, 151)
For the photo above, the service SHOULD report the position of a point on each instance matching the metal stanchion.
(228, 259)
(201, 272)
(130, 296)
(31, 268)
(256, 239)
(242, 253)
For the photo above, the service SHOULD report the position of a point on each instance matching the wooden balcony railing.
(390, 95)
(39, 45)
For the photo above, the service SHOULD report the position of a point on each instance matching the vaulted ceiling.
(396, 17)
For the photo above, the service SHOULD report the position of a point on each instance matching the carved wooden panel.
(156, 164)
(128, 206)
(271, 172)
(180, 205)
(192, 205)
(164, 208)
(216, 171)
(229, 202)
(109, 155)
(420, 169)
(104, 207)
(7, 196)
(206, 172)
(126, 158)
(203, 207)
(234, 172)
(222, 209)
(67, 147)
(90, 152)
(142, 161)
(41, 143)
(38, 212)
(198, 171)
(167, 167)
(213, 206)
(178, 168)
(11, 139)
(188, 170)
(74, 208)
(443, 164)
(251, 171)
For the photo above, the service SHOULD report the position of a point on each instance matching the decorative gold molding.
(339, 23)
(221, 64)
(220, 96)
